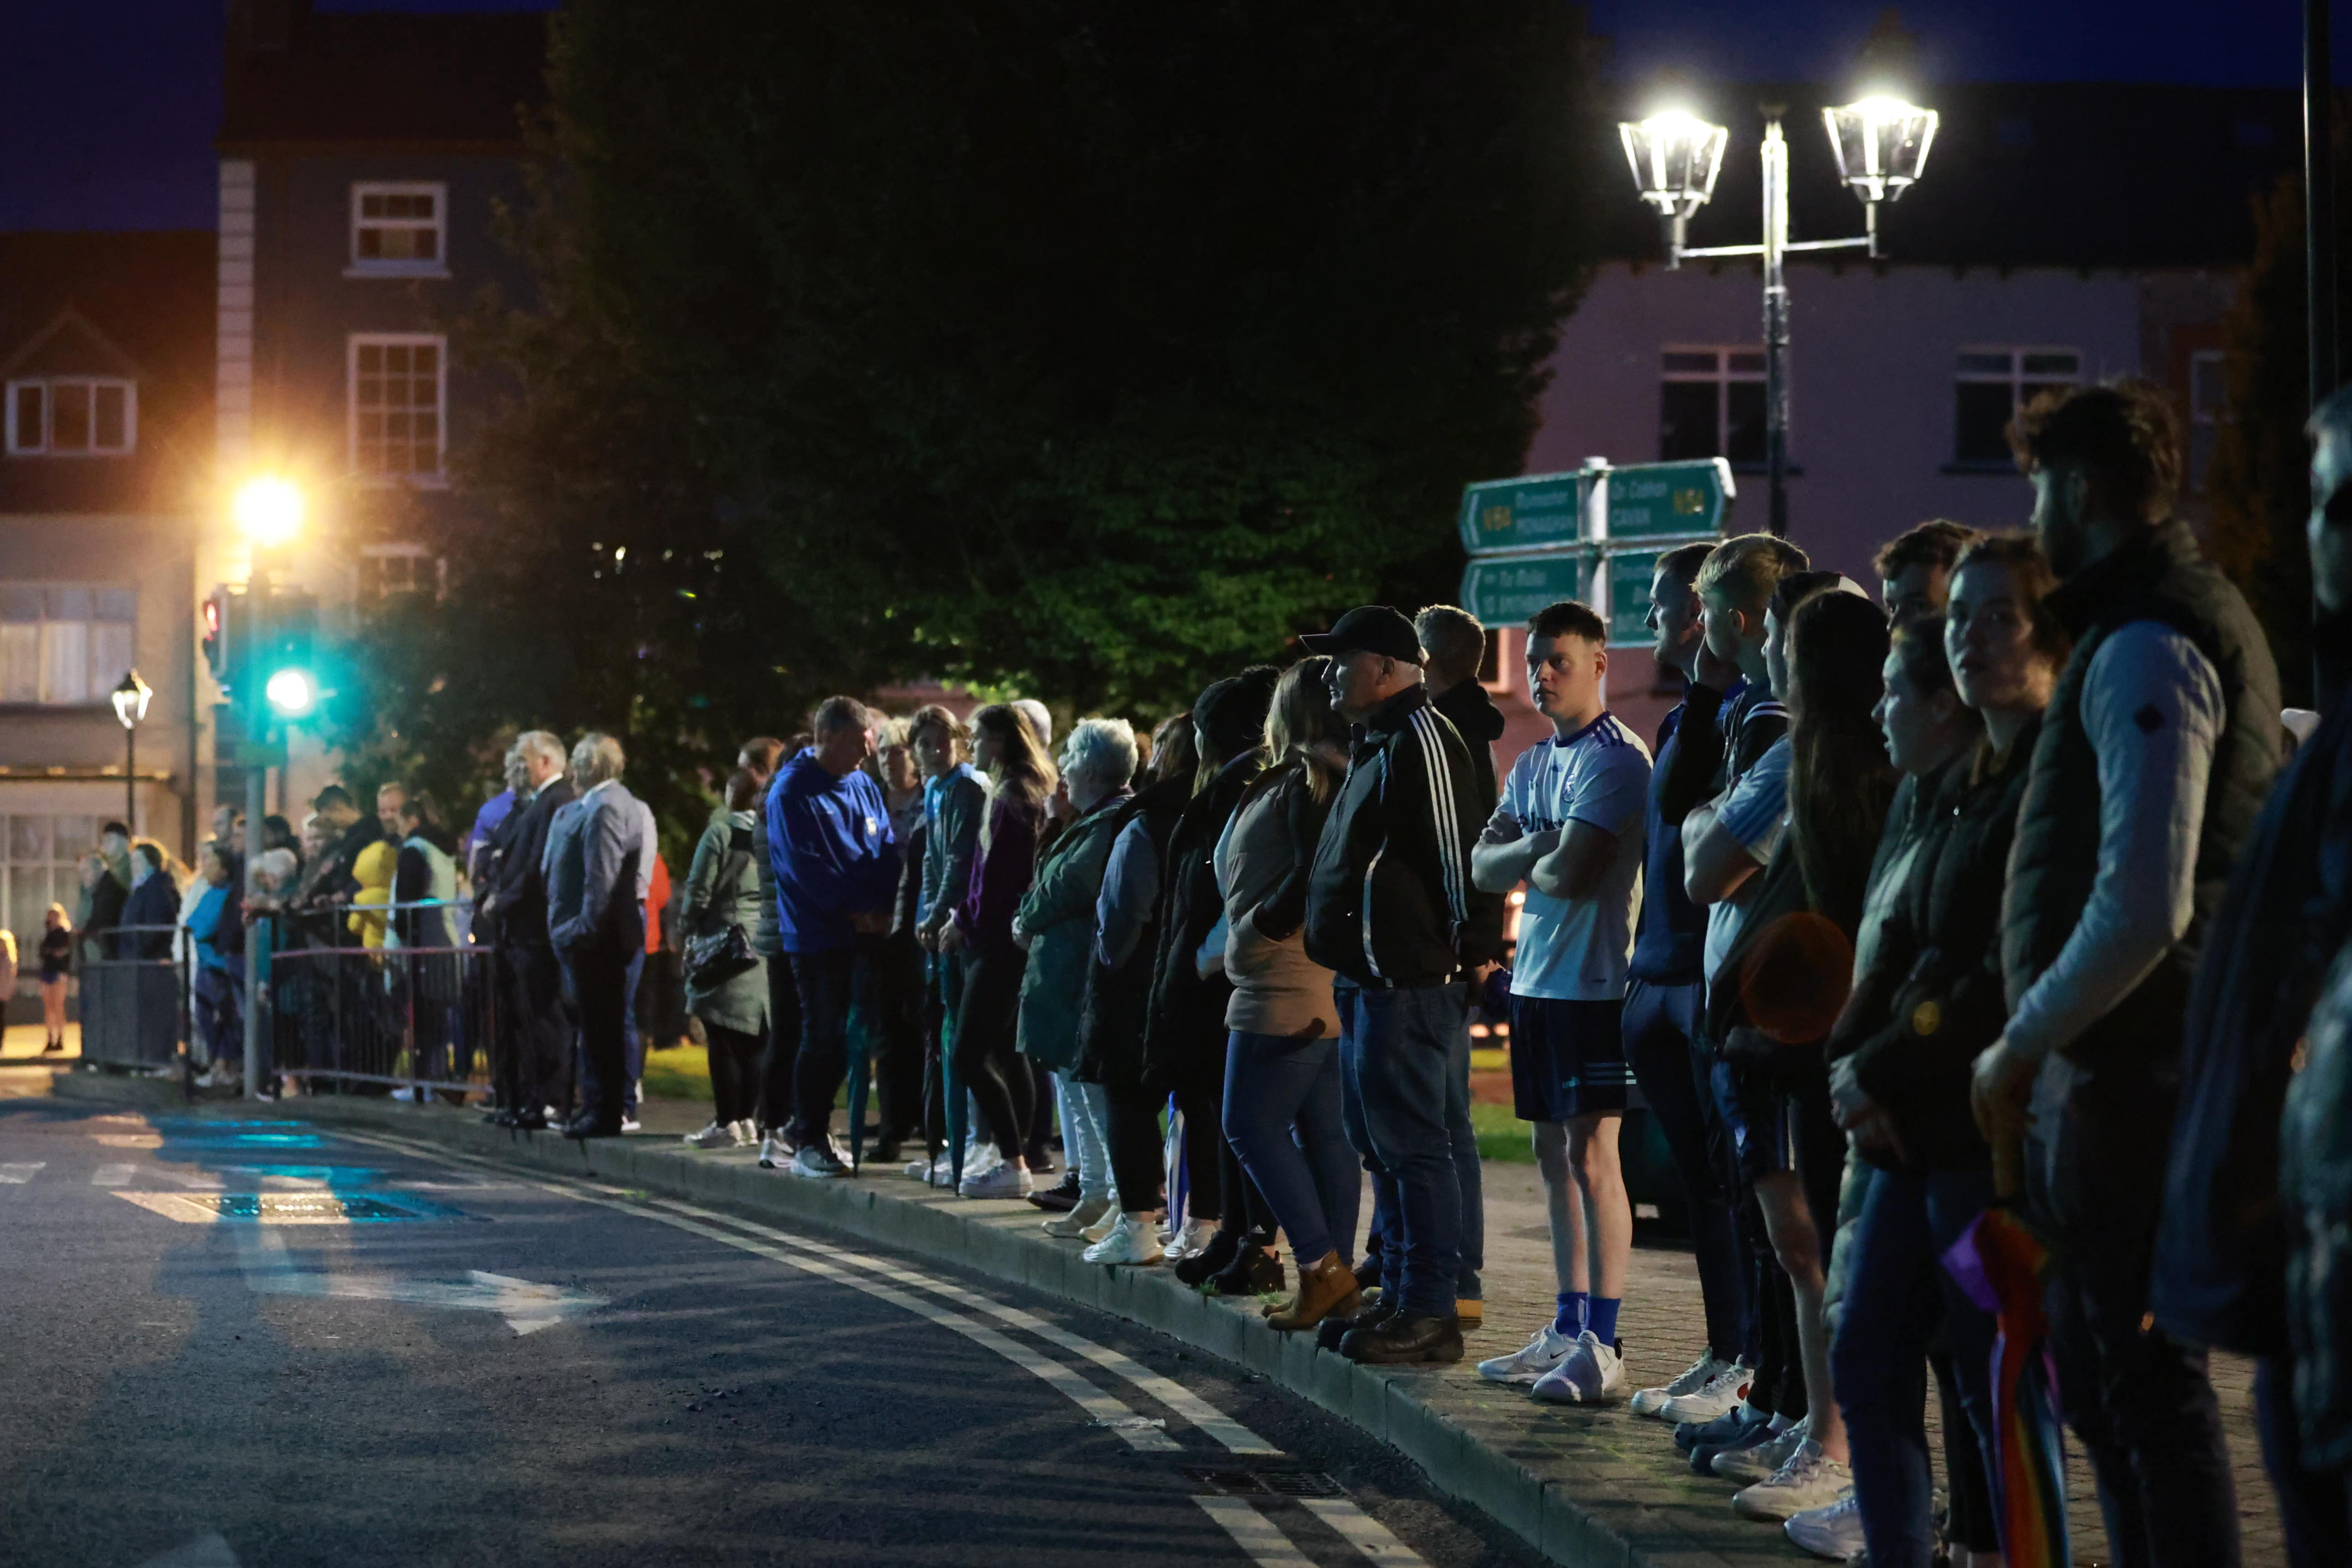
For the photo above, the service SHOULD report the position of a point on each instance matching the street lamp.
(1880, 145)
(268, 511)
(131, 699)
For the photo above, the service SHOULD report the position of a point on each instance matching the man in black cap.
(1391, 911)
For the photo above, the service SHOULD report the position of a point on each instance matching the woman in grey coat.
(722, 889)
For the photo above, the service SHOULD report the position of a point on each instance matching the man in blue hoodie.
(837, 868)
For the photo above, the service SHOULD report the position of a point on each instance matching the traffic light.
(289, 681)
(227, 633)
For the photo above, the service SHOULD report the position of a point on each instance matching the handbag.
(713, 960)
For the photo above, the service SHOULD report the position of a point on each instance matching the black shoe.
(1039, 1163)
(1059, 1198)
(1405, 1339)
(502, 1117)
(1254, 1271)
(591, 1127)
(1689, 1434)
(883, 1151)
(1331, 1330)
(1368, 1273)
(1221, 1248)
(529, 1122)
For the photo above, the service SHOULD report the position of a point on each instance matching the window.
(1994, 385)
(2209, 395)
(396, 230)
(64, 644)
(389, 569)
(397, 396)
(72, 416)
(42, 868)
(1711, 405)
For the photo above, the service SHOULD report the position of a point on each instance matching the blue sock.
(1571, 1320)
(1601, 1319)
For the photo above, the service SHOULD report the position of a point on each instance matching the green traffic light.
(292, 693)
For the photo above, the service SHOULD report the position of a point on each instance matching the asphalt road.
(263, 1343)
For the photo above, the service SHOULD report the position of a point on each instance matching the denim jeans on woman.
(1896, 1291)
(1282, 1117)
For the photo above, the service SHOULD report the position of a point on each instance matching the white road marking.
(210, 1550)
(1103, 1408)
(1236, 1437)
(112, 1175)
(1254, 1533)
(17, 1174)
(1365, 1534)
(526, 1307)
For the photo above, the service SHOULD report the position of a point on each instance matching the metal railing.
(134, 996)
(423, 1017)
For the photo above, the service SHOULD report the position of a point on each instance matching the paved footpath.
(1584, 1486)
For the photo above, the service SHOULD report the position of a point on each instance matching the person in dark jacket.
(1117, 1006)
(722, 893)
(1184, 1044)
(535, 1024)
(2161, 742)
(955, 804)
(153, 907)
(1928, 996)
(1390, 910)
(2221, 1254)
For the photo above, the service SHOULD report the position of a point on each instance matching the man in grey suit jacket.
(595, 924)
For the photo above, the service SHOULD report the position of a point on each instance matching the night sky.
(111, 103)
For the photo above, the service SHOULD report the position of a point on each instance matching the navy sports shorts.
(1567, 1059)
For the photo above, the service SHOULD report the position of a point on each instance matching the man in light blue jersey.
(1571, 826)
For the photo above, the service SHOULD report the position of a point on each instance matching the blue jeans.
(1677, 1082)
(599, 983)
(1396, 1053)
(218, 997)
(1282, 1117)
(1466, 1169)
(1896, 1291)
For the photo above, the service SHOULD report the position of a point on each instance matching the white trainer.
(978, 1159)
(817, 1161)
(1130, 1240)
(998, 1181)
(1810, 1479)
(747, 1132)
(1195, 1238)
(1080, 1220)
(1591, 1373)
(711, 1137)
(1697, 1375)
(629, 1123)
(1715, 1397)
(777, 1149)
(1834, 1533)
(1762, 1462)
(1103, 1226)
(1546, 1350)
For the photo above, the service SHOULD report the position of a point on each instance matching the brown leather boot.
(1326, 1287)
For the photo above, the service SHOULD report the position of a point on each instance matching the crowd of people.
(2012, 890)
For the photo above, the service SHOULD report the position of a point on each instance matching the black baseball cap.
(1369, 628)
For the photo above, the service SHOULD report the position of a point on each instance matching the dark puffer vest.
(2055, 861)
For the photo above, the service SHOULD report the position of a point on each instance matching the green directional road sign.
(1629, 598)
(1650, 500)
(1504, 592)
(1520, 514)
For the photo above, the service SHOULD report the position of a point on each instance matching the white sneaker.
(1810, 1479)
(1080, 1220)
(747, 1132)
(1710, 1399)
(1762, 1462)
(406, 1096)
(1697, 1375)
(777, 1149)
(1591, 1373)
(711, 1137)
(920, 1170)
(1834, 1533)
(1544, 1351)
(998, 1181)
(818, 1162)
(630, 1124)
(978, 1160)
(1195, 1238)
(1129, 1241)
(1104, 1227)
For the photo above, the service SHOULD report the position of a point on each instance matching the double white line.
(909, 1289)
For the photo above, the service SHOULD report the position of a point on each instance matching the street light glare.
(269, 511)
(291, 692)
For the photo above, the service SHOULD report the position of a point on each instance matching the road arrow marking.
(526, 1307)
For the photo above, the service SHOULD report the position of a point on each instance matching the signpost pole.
(1776, 318)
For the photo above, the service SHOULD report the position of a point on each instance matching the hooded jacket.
(1187, 1010)
(1388, 903)
(1479, 723)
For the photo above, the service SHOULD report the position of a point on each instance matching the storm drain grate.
(295, 1208)
(1265, 1483)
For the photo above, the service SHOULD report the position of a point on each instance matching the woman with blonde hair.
(57, 962)
(1022, 781)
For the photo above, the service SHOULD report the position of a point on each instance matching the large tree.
(1091, 349)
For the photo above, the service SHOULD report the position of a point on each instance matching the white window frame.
(2200, 417)
(437, 479)
(432, 580)
(37, 444)
(377, 266)
(100, 681)
(1723, 377)
(2015, 378)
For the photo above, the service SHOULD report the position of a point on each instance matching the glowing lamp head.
(268, 511)
(1880, 143)
(1676, 157)
(291, 693)
(131, 699)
